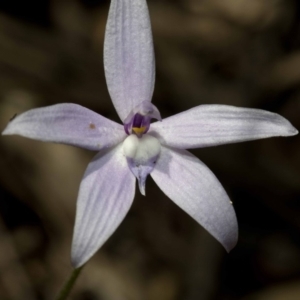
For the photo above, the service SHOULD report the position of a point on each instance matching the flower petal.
(128, 55)
(195, 189)
(69, 124)
(105, 196)
(211, 125)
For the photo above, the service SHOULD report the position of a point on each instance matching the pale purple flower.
(136, 148)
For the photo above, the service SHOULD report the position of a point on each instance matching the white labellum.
(141, 154)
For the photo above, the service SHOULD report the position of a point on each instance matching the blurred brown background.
(236, 52)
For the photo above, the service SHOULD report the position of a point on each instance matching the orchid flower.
(138, 147)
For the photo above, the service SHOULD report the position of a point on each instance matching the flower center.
(138, 121)
(138, 125)
(141, 150)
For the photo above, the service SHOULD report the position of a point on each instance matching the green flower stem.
(65, 291)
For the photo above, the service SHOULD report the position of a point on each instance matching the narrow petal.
(128, 55)
(195, 189)
(105, 196)
(211, 125)
(69, 124)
